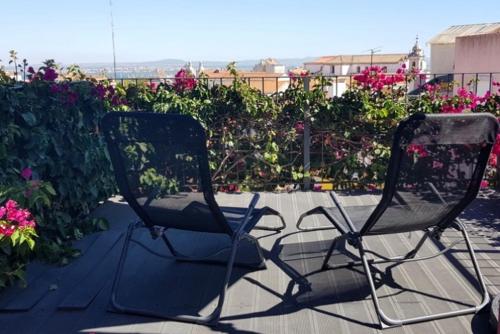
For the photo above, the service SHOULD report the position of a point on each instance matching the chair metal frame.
(355, 237)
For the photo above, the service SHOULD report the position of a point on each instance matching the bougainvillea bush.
(53, 160)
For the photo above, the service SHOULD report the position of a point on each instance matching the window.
(332, 69)
(358, 69)
(413, 64)
(384, 69)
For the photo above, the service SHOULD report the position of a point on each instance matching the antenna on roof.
(372, 52)
(113, 38)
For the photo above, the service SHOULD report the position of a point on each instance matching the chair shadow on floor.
(311, 288)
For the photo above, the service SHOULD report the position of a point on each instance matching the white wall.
(442, 58)
(348, 69)
(477, 54)
(336, 89)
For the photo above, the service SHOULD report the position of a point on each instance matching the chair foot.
(316, 210)
(267, 211)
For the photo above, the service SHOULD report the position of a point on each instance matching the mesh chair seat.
(401, 218)
(359, 215)
(187, 211)
(163, 213)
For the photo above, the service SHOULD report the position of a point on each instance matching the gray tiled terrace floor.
(75, 298)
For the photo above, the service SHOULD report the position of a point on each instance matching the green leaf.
(29, 118)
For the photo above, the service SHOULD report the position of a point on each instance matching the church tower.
(416, 57)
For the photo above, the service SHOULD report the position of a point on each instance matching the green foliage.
(255, 142)
(58, 138)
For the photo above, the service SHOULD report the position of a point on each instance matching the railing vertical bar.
(463, 75)
(337, 86)
(498, 171)
(490, 83)
(475, 83)
(307, 141)
(263, 91)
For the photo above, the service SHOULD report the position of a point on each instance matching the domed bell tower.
(416, 57)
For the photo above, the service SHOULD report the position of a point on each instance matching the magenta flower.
(50, 74)
(437, 165)
(184, 81)
(14, 218)
(72, 98)
(26, 173)
(54, 88)
(100, 91)
(419, 150)
(484, 184)
(299, 127)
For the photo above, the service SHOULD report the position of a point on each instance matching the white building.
(269, 65)
(342, 67)
(443, 45)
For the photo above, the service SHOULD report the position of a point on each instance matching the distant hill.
(177, 63)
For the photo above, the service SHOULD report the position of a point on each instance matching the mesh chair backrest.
(161, 167)
(435, 171)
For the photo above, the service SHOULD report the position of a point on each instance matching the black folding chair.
(161, 168)
(435, 171)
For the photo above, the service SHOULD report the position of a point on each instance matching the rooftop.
(74, 298)
(385, 58)
(448, 36)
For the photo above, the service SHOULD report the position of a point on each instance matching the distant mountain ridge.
(172, 62)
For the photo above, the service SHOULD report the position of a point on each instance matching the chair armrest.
(248, 213)
(344, 214)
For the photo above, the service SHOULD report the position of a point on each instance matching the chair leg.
(210, 319)
(386, 321)
(267, 211)
(316, 210)
(411, 254)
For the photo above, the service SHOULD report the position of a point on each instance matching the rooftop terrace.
(74, 298)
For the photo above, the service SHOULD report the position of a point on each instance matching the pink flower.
(50, 74)
(437, 164)
(26, 173)
(419, 150)
(72, 98)
(54, 88)
(299, 127)
(153, 86)
(31, 70)
(100, 91)
(184, 81)
(492, 161)
(111, 90)
(484, 184)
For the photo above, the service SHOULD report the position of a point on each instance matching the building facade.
(443, 46)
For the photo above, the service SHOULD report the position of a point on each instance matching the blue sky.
(74, 31)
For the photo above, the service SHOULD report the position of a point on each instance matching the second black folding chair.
(436, 167)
